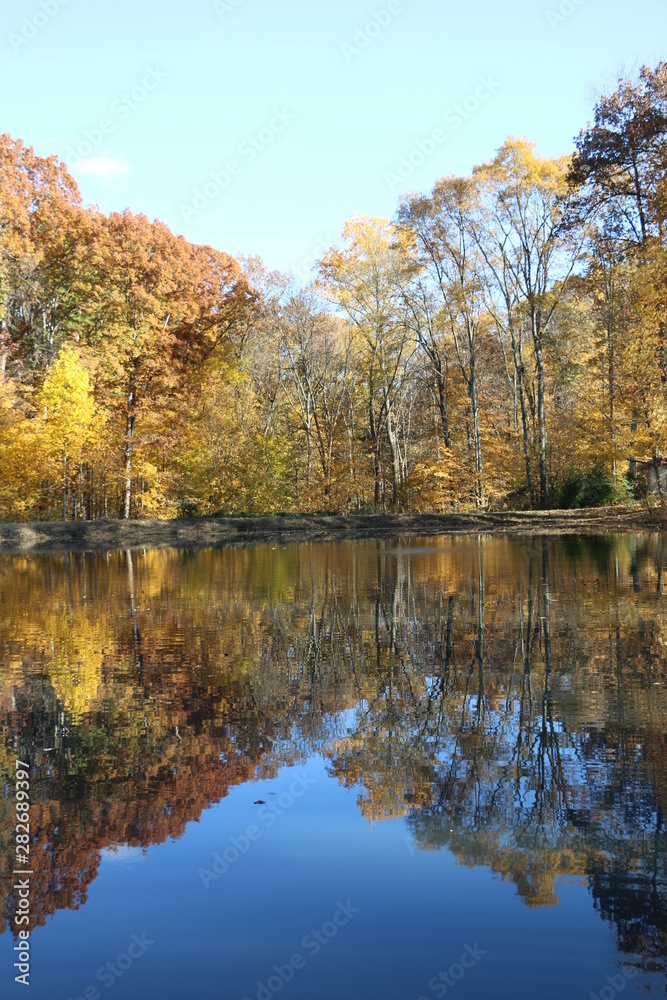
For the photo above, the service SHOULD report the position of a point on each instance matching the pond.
(398, 769)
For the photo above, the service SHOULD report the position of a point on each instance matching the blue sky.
(261, 126)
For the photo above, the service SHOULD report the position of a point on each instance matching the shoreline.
(209, 532)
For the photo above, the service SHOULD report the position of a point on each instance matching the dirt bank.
(98, 536)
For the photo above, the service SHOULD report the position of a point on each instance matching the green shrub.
(570, 489)
(187, 508)
(591, 488)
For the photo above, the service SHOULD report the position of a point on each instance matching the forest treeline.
(501, 341)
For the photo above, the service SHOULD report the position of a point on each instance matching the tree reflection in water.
(503, 697)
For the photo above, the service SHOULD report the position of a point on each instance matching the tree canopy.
(501, 336)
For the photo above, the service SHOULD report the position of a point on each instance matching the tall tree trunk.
(64, 484)
(395, 457)
(129, 439)
(541, 416)
(375, 438)
(517, 354)
(477, 438)
(525, 425)
(377, 471)
(443, 405)
(309, 440)
(612, 397)
(81, 510)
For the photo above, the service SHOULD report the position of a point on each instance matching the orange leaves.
(31, 187)
(159, 303)
(157, 308)
(146, 308)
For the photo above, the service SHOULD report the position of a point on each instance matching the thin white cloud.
(109, 167)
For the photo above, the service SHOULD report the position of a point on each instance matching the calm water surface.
(406, 769)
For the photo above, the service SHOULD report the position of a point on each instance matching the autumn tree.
(68, 418)
(158, 307)
(439, 230)
(316, 351)
(363, 279)
(620, 165)
(40, 208)
(620, 157)
(531, 255)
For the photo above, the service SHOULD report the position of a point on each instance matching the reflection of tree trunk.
(134, 618)
(620, 692)
(393, 625)
(479, 646)
(546, 624)
(446, 662)
(316, 633)
(526, 643)
(449, 638)
(551, 783)
(634, 570)
(378, 601)
(389, 611)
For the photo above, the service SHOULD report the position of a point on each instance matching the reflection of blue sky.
(123, 855)
(417, 911)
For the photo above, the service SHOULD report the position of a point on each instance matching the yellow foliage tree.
(68, 419)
